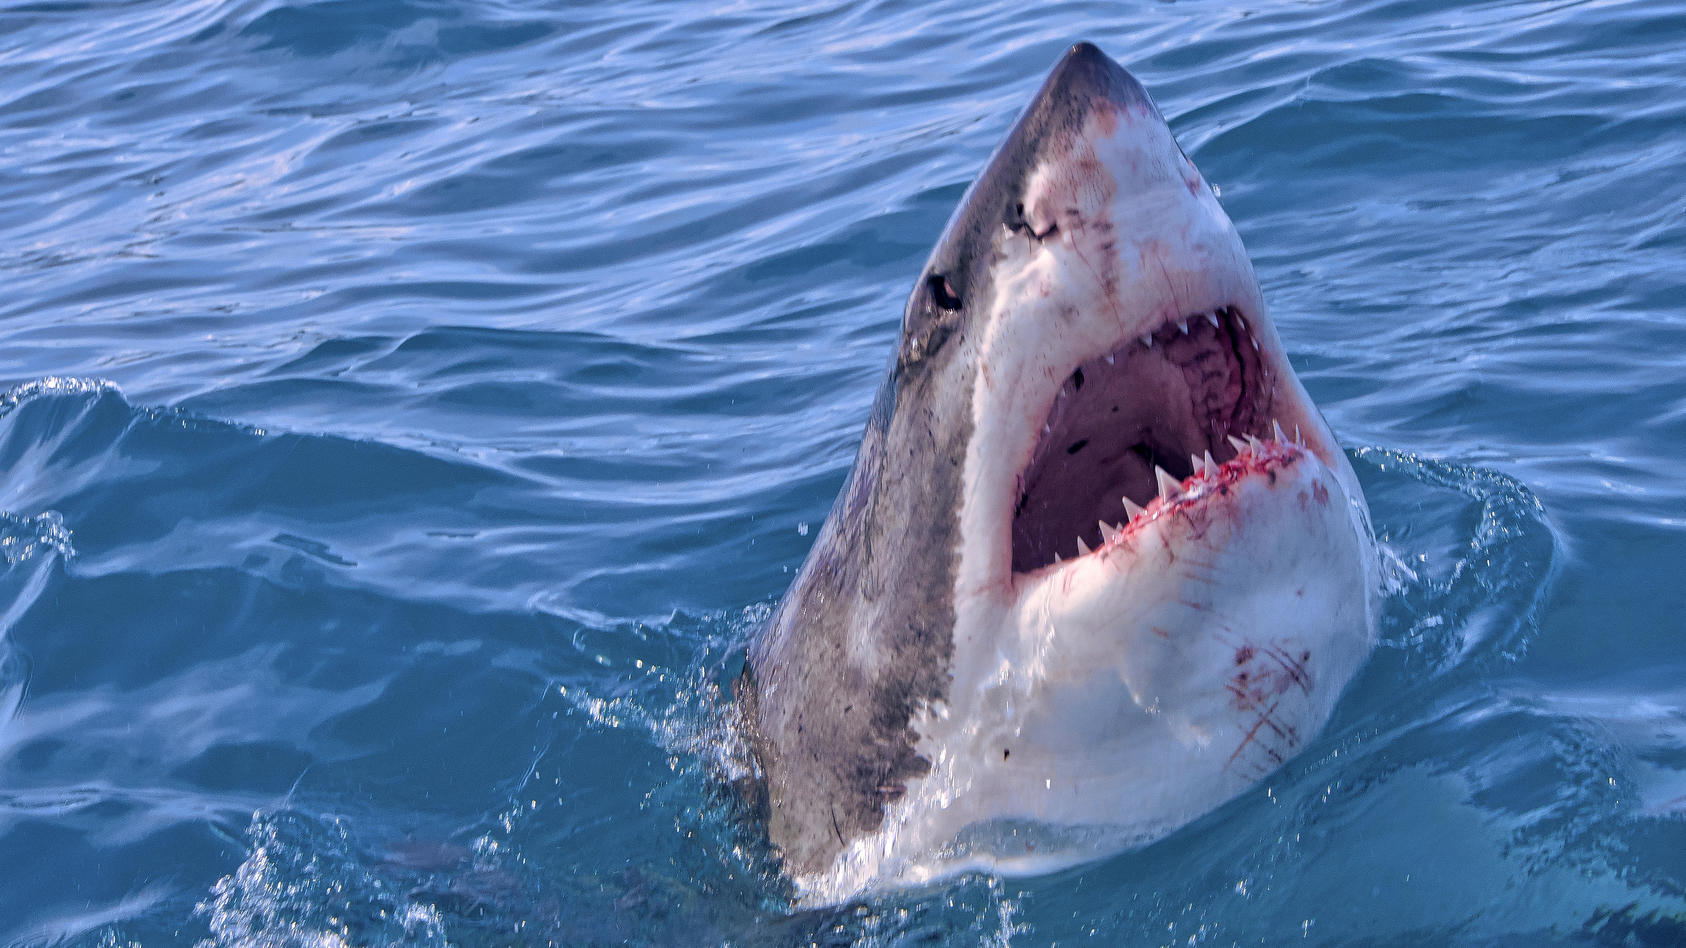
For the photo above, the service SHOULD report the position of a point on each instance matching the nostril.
(1018, 223)
(1015, 219)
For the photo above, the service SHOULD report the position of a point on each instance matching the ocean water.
(411, 408)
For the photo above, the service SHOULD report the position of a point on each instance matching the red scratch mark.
(1159, 261)
(1264, 719)
(1295, 668)
(1100, 281)
(1160, 632)
(1243, 700)
(1207, 565)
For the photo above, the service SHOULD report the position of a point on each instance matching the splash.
(300, 887)
(1479, 595)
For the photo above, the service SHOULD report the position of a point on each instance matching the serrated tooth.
(1183, 325)
(1240, 322)
(1255, 345)
(1213, 319)
(1168, 488)
(1236, 443)
(1276, 431)
(1057, 559)
(1211, 465)
(1108, 531)
(1297, 439)
(1147, 339)
(1109, 358)
(1082, 548)
(1254, 443)
(1194, 463)
(1132, 510)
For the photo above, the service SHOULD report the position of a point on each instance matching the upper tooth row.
(1182, 324)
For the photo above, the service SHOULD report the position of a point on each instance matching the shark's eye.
(942, 293)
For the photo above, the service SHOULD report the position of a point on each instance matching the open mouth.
(1138, 425)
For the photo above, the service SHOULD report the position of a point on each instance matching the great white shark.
(1100, 564)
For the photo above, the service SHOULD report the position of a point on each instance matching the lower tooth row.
(1170, 487)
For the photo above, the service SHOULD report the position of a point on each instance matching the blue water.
(412, 406)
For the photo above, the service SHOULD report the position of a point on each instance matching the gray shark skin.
(1085, 347)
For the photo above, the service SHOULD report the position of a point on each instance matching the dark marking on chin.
(1077, 446)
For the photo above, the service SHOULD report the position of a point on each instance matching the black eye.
(942, 292)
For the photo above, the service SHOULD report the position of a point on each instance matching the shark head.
(1101, 564)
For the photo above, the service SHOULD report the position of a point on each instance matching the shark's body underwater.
(1100, 564)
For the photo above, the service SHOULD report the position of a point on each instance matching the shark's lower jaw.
(1146, 421)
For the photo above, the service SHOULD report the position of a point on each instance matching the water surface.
(411, 407)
